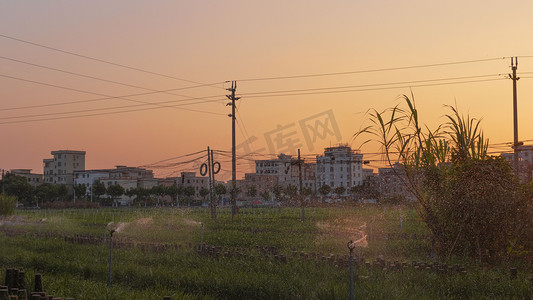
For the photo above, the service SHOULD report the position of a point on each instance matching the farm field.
(263, 253)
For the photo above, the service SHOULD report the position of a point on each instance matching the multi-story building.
(279, 167)
(33, 179)
(127, 177)
(130, 172)
(308, 176)
(262, 183)
(340, 166)
(60, 169)
(287, 171)
(190, 179)
(393, 182)
(125, 183)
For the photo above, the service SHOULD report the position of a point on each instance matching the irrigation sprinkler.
(351, 246)
(111, 231)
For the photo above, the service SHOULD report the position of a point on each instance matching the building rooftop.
(68, 152)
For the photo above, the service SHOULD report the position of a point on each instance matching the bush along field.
(263, 253)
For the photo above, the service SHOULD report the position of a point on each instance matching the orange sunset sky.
(68, 67)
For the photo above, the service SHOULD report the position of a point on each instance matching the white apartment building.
(60, 169)
(339, 166)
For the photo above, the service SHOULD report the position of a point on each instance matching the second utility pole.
(233, 155)
(514, 66)
(302, 199)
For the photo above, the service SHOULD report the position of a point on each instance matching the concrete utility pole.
(302, 203)
(211, 171)
(213, 182)
(516, 144)
(233, 155)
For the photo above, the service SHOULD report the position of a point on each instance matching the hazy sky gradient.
(218, 41)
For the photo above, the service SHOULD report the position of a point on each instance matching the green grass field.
(264, 253)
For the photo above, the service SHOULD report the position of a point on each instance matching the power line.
(371, 70)
(143, 103)
(97, 59)
(241, 121)
(102, 79)
(372, 89)
(371, 85)
(77, 90)
(119, 107)
(102, 99)
(107, 113)
(173, 165)
(172, 158)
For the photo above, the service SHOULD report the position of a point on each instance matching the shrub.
(469, 201)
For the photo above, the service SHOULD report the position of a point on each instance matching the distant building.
(60, 169)
(125, 183)
(525, 162)
(339, 167)
(368, 174)
(89, 177)
(393, 182)
(279, 167)
(286, 170)
(371, 185)
(262, 183)
(190, 179)
(127, 177)
(33, 179)
(525, 154)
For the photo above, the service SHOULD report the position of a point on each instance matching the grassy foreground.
(265, 253)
